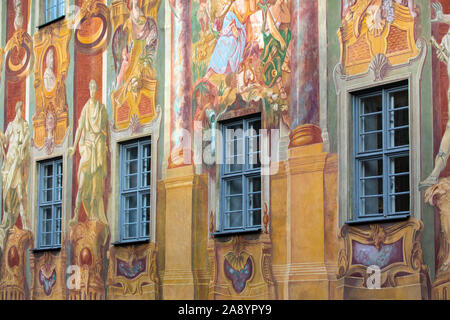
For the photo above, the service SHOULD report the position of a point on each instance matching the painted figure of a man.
(17, 141)
(49, 74)
(91, 137)
(443, 53)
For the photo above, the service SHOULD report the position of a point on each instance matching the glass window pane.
(48, 182)
(146, 151)
(58, 239)
(47, 195)
(371, 168)
(47, 224)
(146, 180)
(131, 202)
(399, 99)
(130, 216)
(145, 231)
(59, 194)
(371, 206)
(254, 184)
(131, 182)
(234, 148)
(234, 203)
(47, 213)
(48, 170)
(255, 218)
(132, 153)
(399, 137)
(371, 187)
(400, 203)
(61, 8)
(371, 142)
(254, 201)
(234, 186)
(371, 123)
(146, 201)
(399, 165)
(58, 225)
(132, 167)
(234, 220)
(254, 140)
(46, 239)
(254, 193)
(371, 104)
(59, 181)
(398, 118)
(130, 231)
(400, 183)
(145, 218)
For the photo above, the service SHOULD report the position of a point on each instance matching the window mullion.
(244, 176)
(138, 193)
(386, 182)
(244, 202)
(54, 164)
(121, 199)
(356, 163)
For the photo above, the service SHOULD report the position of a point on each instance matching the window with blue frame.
(53, 9)
(135, 190)
(381, 154)
(50, 203)
(240, 177)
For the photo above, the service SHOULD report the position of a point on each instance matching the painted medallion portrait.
(50, 69)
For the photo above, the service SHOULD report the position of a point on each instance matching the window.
(241, 177)
(135, 190)
(53, 9)
(49, 203)
(381, 154)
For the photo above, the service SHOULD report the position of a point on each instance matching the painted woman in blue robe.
(229, 51)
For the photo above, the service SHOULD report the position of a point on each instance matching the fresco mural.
(375, 27)
(134, 46)
(436, 187)
(241, 58)
(51, 119)
(16, 141)
(121, 71)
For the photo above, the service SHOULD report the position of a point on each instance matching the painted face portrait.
(49, 74)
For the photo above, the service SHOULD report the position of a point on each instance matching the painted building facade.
(120, 179)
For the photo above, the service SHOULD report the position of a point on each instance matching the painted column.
(178, 280)
(181, 87)
(305, 74)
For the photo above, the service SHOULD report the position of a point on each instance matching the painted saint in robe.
(16, 141)
(91, 137)
(443, 53)
(18, 19)
(229, 51)
(49, 74)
